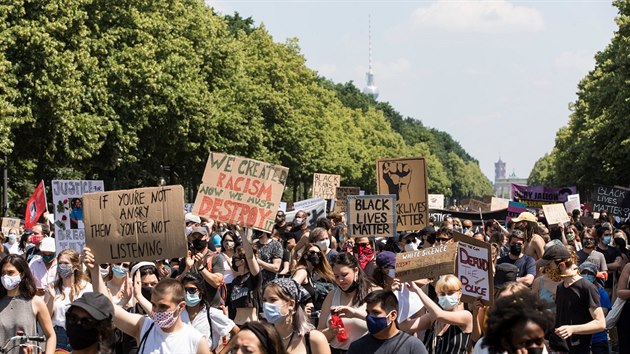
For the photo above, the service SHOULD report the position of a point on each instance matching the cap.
(199, 230)
(552, 253)
(386, 259)
(589, 266)
(525, 216)
(505, 272)
(410, 235)
(190, 217)
(47, 245)
(96, 304)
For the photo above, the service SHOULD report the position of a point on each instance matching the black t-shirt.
(246, 290)
(401, 343)
(572, 307)
(610, 254)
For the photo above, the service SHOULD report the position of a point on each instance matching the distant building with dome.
(503, 185)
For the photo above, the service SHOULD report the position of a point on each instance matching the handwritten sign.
(474, 269)
(406, 178)
(68, 209)
(371, 215)
(135, 224)
(555, 213)
(499, 203)
(436, 201)
(426, 263)
(572, 203)
(10, 223)
(315, 209)
(341, 194)
(613, 200)
(325, 185)
(475, 205)
(239, 190)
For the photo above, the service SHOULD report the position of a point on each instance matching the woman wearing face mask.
(228, 246)
(119, 285)
(573, 237)
(320, 237)
(20, 309)
(71, 283)
(448, 323)
(314, 274)
(12, 245)
(364, 251)
(247, 284)
(346, 300)
(282, 308)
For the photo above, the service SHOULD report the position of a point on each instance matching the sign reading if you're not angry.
(371, 215)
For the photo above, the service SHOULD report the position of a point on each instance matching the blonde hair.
(448, 283)
(80, 279)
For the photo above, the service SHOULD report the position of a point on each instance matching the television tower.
(370, 89)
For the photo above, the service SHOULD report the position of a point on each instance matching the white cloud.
(575, 61)
(387, 70)
(478, 16)
(326, 70)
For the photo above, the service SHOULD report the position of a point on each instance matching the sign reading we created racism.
(238, 190)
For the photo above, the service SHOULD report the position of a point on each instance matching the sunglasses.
(442, 239)
(310, 253)
(85, 322)
(363, 244)
(191, 290)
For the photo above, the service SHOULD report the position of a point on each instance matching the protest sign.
(238, 190)
(188, 207)
(314, 208)
(10, 223)
(555, 213)
(499, 203)
(426, 263)
(513, 210)
(135, 224)
(613, 200)
(475, 205)
(307, 203)
(436, 201)
(406, 178)
(68, 210)
(283, 206)
(371, 215)
(439, 215)
(325, 185)
(341, 194)
(572, 203)
(537, 196)
(474, 269)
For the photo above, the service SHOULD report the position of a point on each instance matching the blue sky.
(497, 75)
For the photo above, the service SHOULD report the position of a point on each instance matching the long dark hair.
(196, 279)
(24, 240)
(350, 261)
(270, 340)
(27, 284)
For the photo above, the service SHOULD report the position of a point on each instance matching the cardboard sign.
(474, 269)
(514, 209)
(10, 223)
(371, 215)
(238, 190)
(142, 224)
(426, 263)
(537, 196)
(439, 215)
(314, 210)
(68, 209)
(436, 201)
(555, 213)
(475, 205)
(406, 178)
(307, 203)
(341, 194)
(324, 185)
(499, 203)
(613, 200)
(572, 203)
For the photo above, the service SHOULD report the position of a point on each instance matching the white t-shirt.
(61, 305)
(221, 324)
(228, 274)
(186, 340)
(42, 276)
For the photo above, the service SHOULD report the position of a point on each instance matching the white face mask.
(298, 221)
(12, 238)
(104, 272)
(411, 247)
(323, 244)
(11, 282)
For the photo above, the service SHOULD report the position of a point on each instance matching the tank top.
(16, 314)
(355, 327)
(453, 341)
(157, 341)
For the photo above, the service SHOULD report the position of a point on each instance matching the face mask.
(165, 319)
(570, 236)
(516, 250)
(323, 244)
(313, 259)
(146, 292)
(298, 221)
(588, 243)
(49, 258)
(199, 245)
(391, 273)
(79, 337)
(272, 313)
(409, 247)
(606, 240)
(119, 272)
(535, 350)
(376, 324)
(104, 272)
(11, 282)
(36, 239)
(352, 287)
(188, 230)
(465, 230)
(589, 277)
(448, 302)
(64, 270)
(553, 274)
(12, 238)
(229, 245)
(192, 299)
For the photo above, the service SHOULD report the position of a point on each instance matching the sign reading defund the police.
(474, 269)
(406, 178)
(371, 215)
(238, 190)
(135, 224)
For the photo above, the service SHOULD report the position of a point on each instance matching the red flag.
(35, 206)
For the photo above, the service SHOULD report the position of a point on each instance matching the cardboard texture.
(426, 263)
(555, 213)
(10, 223)
(436, 201)
(143, 224)
(371, 215)
(614, 200)
(68, 210)
(325, 185)
(474, 269)
(475, 205)
(498, 203)
(341, 194)
(406, 178)
(572, 203)
(238, 190)
(314, 210)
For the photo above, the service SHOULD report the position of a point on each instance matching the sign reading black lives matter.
(613, 200)
(135, 224)
(406, 178)
(371, 215)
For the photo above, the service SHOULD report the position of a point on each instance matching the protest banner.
(10, 223)
(613, 200)
(325, 185)
(436, 201)
(474, 269)
(426, 263)
(135, 224)
(238, 190)
(439, 215)
(307, 203)
(315, 209)
(68, 210)
(498, 203)
(371, 215)
(513, 210)
(555, 213)
(341, 194)
(475, 205)
(406, 178)
(537, 196)
(282, 207)
(572, 203)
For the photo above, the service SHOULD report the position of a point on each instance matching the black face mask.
(313, 259)
(535, 350)
(199, 244)
(352, 287)
(146, 292)
(80, 337)
(516, 250)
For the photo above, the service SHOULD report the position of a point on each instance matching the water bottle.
(335, 320)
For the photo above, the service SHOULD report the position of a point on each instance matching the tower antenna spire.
(370, 88)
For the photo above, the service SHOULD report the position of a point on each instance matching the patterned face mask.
(164, 319)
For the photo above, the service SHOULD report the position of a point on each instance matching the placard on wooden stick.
(10, 223)
(474, 269)
(135, 224)
(371, 215)
(426, 263)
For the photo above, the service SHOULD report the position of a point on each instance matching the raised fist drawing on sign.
(397, 175)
